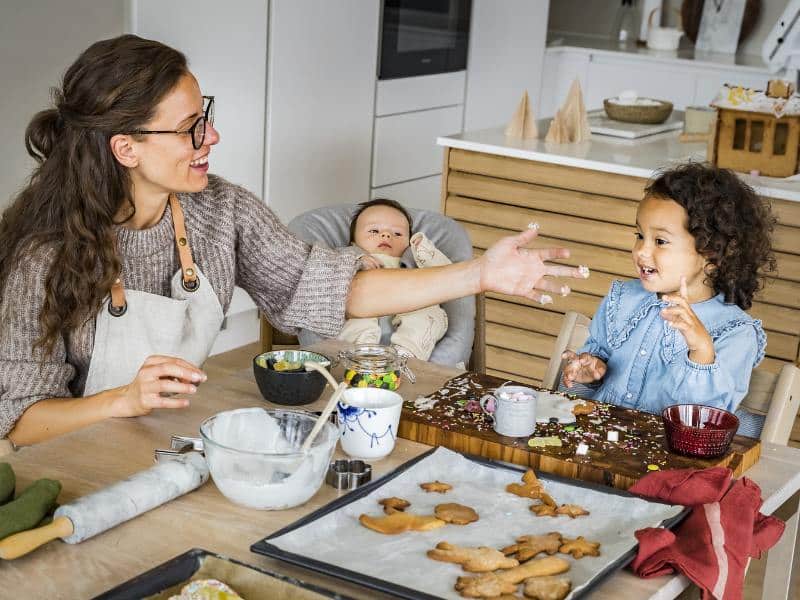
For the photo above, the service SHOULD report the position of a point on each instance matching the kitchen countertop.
(635, 158)
(685, 53)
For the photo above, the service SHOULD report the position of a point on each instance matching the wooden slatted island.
(584, 196)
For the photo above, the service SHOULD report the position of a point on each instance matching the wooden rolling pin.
(98, 512)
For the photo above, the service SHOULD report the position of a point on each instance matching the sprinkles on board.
(456, 407)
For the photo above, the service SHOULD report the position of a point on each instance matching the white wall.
(506, 54)
(39, 39)
(597, 18)
(226, 45)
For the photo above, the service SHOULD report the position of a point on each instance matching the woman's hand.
(510, 268)
(679, 314)
(158, 376)
(581, 368)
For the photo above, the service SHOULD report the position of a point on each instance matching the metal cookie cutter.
(345, 474)
(178, 445)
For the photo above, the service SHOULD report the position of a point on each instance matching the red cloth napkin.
(713, 544)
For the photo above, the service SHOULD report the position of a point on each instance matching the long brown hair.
(69, 203)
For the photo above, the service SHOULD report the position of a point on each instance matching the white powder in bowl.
(266, 481)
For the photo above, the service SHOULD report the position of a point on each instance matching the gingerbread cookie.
(571, 510)
(585, 407)
(394, 504)
(476, 560)
(543, 510)
(398, 522)
(547, 588)
(579, 547)
(436, 486)
(488, 585)
(528, 546)
(530, 487)
(457, 514)
(538, 567)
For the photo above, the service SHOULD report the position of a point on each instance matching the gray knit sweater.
(235, 240)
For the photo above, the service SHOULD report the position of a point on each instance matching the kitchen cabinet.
(684, 78)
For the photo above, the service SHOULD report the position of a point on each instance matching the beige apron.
(133, 325)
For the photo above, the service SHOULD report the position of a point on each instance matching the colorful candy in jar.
(389, 380)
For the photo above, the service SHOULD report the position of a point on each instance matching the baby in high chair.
(679, 334)
(381, 228)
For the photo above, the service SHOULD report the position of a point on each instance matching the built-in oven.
(422, 37)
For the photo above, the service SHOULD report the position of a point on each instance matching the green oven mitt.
(29, 508)
(8, 482)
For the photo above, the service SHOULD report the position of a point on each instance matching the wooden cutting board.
(454, 423)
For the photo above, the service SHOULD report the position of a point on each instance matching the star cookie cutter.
(348, 474)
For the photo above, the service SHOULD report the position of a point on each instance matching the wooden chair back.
(574, 332)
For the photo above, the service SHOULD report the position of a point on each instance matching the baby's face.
(382, 230)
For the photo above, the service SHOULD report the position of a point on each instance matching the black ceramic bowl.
(289, 388)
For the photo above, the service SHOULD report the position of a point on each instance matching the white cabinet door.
(609, 76)
(405, 145)
(506, 51)
(420, 193)
(320, 102)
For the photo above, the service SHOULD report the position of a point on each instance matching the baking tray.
(249, 582)
(266, 548)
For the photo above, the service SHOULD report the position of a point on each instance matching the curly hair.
(731, 225)
(70, 201)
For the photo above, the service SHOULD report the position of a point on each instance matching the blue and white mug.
(368, 420)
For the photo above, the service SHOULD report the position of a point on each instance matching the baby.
(382, 229)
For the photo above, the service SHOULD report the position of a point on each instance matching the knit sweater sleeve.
(297, 285)
(26, 374)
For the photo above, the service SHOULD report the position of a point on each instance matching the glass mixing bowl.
(255, 459)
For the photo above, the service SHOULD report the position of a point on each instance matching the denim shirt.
(648, 361)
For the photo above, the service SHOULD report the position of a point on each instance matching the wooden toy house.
(757, 130)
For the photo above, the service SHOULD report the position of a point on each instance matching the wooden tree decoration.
(571, 124)
(523, 123)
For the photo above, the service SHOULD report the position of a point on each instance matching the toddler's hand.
(679, 314)
(368, 262)
(583, 368)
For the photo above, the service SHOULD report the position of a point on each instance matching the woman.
(122, 253)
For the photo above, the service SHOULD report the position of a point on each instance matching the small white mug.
(513, 416)
(368, 420)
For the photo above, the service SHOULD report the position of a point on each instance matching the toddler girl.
(679, 334)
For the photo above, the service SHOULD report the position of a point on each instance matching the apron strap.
(189, 280)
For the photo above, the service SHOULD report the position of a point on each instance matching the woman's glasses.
(197, 130)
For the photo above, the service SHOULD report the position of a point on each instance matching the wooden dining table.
(98, 456)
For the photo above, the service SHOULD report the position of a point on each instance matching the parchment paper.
(339, 539)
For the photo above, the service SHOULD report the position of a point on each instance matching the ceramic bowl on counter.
(282, 379)
(255, 459)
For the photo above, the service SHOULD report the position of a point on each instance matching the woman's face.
(169, 162)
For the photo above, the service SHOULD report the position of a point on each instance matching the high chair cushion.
(330, 226)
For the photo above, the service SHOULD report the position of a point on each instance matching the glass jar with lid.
(374, 365)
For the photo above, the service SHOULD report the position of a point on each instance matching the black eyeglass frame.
(207, 116)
